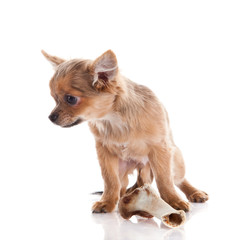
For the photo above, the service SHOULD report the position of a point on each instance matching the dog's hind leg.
(145, 175)
(192, 193)
(124, 184)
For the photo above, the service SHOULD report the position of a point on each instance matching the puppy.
(130, 126)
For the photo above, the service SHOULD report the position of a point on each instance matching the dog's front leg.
(109, 167)
(161, 158)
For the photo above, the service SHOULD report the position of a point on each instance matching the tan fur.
(130, 125)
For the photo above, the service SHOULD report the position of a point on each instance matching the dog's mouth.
(79, 120)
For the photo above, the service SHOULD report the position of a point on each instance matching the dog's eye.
(71, 99)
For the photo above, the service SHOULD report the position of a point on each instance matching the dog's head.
(83, 89)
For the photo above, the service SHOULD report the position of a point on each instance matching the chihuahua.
(130, 126)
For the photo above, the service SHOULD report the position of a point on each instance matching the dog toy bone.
(144, 201)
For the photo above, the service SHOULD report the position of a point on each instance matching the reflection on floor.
(115, 227)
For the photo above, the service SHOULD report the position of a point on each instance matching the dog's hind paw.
(198, 196)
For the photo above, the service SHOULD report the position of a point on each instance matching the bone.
(145, 201)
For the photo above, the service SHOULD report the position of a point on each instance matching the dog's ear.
(55, 61)
(105, 68)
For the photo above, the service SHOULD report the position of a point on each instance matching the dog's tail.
(97, 193)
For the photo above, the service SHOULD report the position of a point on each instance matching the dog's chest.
(130, 159)
(130, 152)
(122, 149)
(110, 126)
(116, 136)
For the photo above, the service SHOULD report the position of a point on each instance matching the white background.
(187, 52)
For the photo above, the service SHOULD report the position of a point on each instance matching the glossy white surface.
(55, 204)
(209, 220)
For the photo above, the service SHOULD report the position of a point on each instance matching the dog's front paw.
(180, 205)
(103, 207)
(198, 196)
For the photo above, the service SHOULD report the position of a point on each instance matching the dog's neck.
(109, 122)
(124, 115)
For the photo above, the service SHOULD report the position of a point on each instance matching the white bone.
(144, 201)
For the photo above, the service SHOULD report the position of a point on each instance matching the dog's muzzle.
(79, 120)
(53, 117)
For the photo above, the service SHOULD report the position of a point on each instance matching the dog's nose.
(53, 117)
